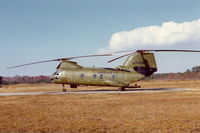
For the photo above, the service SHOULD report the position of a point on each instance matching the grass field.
(157, 112)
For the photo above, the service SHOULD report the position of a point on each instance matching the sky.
(37, 30)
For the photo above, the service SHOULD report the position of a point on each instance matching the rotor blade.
(172, 50)
(59, 59)
(125, 51)
(142, 51)
(32, 63)
(119, 57)
(157, 50)
(89, 56)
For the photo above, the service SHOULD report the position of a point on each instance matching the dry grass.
(103, 113)
(193, 84)
(30, 88)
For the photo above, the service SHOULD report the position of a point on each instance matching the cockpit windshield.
(56, 73)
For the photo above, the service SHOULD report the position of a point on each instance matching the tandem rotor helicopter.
(138, 65)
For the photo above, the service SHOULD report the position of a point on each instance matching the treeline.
(26, 79)
(175, 76)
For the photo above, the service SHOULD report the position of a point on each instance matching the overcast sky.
(34, 30)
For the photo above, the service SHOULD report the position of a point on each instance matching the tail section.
(143, 63)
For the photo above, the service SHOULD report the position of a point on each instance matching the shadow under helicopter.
(131, 90)
(145, 89)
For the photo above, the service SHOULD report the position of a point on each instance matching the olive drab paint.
(136, 67)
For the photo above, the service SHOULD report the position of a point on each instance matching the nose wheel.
(64, 90)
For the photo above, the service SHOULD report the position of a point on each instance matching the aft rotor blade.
(172, 50)
(157, 50)
(124, 51)
(143, 51)
(59, 59)
(118, 57)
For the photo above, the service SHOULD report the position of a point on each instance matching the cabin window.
(101, 76)
(113, 77)
(94, 76)
(82, 75)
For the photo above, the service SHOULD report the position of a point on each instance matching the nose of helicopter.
(54, 78)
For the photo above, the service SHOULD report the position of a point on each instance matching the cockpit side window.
(56, 73)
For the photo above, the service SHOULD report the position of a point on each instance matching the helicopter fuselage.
(96, 77)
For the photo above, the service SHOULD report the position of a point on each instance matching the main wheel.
(122, 88)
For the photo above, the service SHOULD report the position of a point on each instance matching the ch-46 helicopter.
(138, 65)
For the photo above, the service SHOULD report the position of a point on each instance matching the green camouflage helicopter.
(138, 65)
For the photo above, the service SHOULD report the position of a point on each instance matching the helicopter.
(138, 65)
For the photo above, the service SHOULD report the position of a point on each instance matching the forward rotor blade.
(85, 56)
(59, 59)
(32, 63)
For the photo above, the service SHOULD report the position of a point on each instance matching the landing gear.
(122, 88)
(73, 86)
(64, 90)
